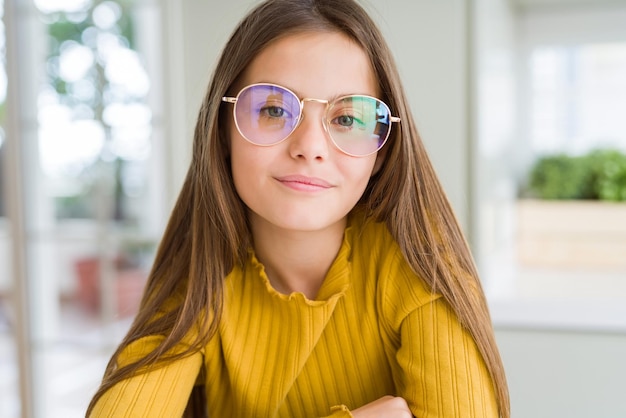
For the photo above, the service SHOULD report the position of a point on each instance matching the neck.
(296, 261)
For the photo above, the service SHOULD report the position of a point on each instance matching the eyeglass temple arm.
(229, 99)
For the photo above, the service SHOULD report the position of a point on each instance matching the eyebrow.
(301, 96)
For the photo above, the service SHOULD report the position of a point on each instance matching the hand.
(385, 407)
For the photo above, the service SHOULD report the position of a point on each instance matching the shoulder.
(400, 289)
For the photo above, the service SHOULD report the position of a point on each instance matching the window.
(90, 131)
(551, 262)
(578, 97)
(94, 122)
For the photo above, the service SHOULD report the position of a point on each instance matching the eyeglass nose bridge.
(326, 103)
(311, 99)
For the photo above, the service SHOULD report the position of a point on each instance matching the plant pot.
(128, 284)
(571, 234)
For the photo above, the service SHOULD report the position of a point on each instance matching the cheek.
(359, 171)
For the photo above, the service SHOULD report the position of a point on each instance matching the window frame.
(560, 25)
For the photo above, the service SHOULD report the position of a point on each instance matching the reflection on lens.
(369, 127)
(266, 114)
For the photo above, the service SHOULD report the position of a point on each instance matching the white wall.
(429, 42)
(554, 374)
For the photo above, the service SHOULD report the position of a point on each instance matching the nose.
(309, 141)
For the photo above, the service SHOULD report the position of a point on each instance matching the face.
(304, 183)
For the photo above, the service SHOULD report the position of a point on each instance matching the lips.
(300, 182)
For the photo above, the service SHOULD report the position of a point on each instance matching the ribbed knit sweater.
(374, 329)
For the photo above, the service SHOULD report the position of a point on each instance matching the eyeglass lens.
(266, 114)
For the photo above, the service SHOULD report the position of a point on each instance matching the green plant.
(88, 40)
(600, 174)
(559, 177)
(611, 175)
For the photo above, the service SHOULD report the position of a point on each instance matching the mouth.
(305, 183)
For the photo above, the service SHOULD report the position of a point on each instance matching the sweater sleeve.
(159, 392)
(435, 362)
(441, 372)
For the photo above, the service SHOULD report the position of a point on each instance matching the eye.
(347, 123)
(344, 120)
(274, 112)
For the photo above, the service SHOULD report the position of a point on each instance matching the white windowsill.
(583, 316)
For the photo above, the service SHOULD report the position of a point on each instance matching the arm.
(441, 372)
(159, 392)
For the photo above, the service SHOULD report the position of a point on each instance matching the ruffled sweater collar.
(336, 282)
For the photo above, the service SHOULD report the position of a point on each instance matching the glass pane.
(550, 90)
(578, 98)
(94, 124)
(572, 235)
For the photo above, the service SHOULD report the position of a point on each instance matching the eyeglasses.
(266, 114)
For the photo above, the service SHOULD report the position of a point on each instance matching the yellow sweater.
(375, 329)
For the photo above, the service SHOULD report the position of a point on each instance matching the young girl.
(312, 265)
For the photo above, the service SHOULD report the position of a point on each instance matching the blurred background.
(521, 104)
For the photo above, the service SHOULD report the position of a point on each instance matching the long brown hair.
(208, 233)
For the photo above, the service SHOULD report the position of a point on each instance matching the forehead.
(314, 64)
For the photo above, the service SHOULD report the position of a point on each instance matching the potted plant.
(573, 211)
(128, 273)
